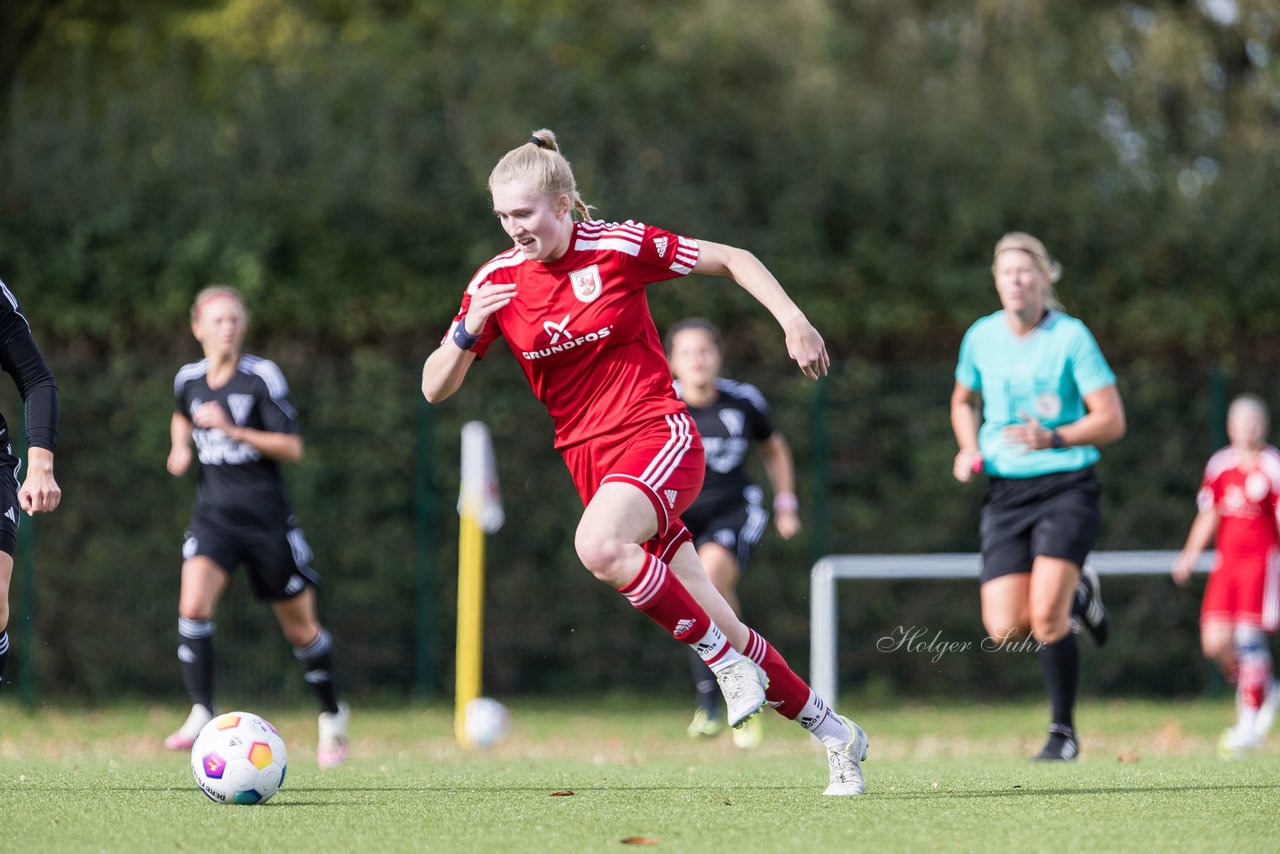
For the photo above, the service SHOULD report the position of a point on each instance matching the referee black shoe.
(1087, 609)
(1060, 747)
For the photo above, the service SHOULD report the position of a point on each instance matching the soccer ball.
(238, 758)
(485, 722)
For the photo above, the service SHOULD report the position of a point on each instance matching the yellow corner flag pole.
(480, 509)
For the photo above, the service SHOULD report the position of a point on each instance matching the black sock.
(195, 651)
(1060, 667)
(706, 691)
(4, 653)
(317, 658)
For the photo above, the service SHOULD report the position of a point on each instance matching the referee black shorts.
(277, 558)
(1054, 515)
(737, 523)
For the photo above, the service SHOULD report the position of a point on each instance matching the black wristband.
(1055, 440)
(464, 339)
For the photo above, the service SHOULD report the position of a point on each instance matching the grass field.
(951, 778)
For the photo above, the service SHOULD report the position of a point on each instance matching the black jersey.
(738, 416)
(237, 484)
(21, 359)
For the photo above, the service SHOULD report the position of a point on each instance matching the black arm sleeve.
(21, 359)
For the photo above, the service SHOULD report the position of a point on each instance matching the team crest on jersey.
(240, 405)
(1048, 405)
(660, 243)
(586, 283)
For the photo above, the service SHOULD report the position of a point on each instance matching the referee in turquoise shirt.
(1033, 399)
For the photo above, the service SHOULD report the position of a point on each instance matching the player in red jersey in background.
(1238, 500)
(569, 297)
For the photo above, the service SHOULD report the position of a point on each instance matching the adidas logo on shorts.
(671, 496)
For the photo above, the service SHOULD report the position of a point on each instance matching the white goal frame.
(823, 622)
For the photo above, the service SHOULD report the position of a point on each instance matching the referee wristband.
(464, 339)
(785, 502)
(1055, 440)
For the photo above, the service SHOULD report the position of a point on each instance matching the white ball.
(485, 722)
(239, 758)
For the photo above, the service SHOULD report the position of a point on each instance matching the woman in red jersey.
(569, 297)
(1238, 501)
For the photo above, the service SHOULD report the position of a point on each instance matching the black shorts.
(1054, 515)
(737, 523)
(278, 559)
(10, 509)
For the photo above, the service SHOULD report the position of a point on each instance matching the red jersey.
(1246, 500)
(580, 326)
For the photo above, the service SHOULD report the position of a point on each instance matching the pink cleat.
(185, 736)
(333, 745)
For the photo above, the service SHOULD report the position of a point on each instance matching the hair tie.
(538, 141)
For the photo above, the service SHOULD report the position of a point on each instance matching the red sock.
(661, 596)
(787, 692)
(1252, 688)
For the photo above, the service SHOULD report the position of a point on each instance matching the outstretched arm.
(804, 344)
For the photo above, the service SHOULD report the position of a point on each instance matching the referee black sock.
(1060, 667)
(4, 653)
(195, 651)
(317, 659)
(706, 690)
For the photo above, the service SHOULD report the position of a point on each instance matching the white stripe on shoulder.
(13, 301)
(598, 226)
(270, 372)
(1270, 463)
(625, 237)
(1222, 460)
(511, 258)
(189, 372)
(744, 391)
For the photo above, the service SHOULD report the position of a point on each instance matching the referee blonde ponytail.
(540, 164)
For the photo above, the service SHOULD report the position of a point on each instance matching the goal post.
(824, 619)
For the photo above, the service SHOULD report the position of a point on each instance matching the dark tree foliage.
(329, 158)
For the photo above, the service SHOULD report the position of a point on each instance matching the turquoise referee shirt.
(1045, 373)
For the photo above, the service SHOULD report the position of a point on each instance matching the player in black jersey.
(728, 517)
(236, 408)
(39, 492)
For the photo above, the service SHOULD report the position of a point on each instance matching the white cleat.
(331, 750)
(742, 685)
(1239, 740)
(846, 764)
(185, 736)
(1266, 715)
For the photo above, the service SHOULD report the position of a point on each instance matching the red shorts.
(1244, 589)
(663, 458)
